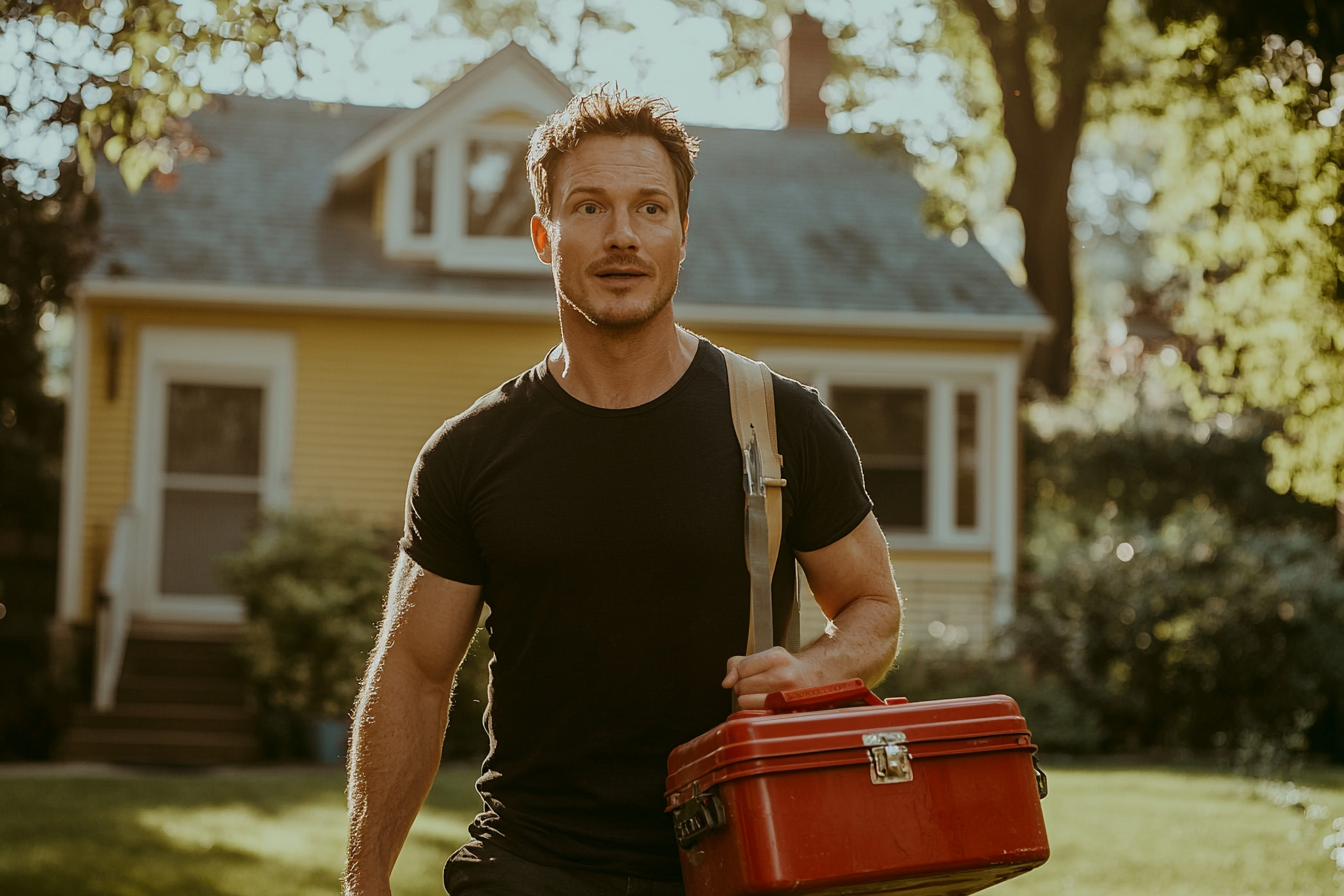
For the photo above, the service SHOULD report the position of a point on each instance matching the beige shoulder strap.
(751, 394)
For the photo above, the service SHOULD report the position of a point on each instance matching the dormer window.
(448, 181)
(423, 206)
(499, 202)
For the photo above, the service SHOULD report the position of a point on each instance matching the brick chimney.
(806, 57)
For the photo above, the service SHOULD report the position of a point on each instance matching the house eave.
(529, 308)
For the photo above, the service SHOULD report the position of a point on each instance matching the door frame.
(264, 358)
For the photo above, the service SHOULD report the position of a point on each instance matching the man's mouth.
(621, 274)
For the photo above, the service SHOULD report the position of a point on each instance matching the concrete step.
(157, 747)
(142, 689)
(166, 717)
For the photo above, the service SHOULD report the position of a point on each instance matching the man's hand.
(752, 677)
(853, 585)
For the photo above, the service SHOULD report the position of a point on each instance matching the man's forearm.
(861, 641)
(398, 738)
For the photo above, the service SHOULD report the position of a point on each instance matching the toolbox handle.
(828, 696)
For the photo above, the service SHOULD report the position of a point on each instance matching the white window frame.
(262, 358)
(993, 378)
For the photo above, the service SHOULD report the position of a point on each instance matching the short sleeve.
(830, 500)
(438, 534)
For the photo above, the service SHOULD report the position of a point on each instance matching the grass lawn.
(1119, 832)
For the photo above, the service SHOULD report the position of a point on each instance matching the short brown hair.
(609, 111)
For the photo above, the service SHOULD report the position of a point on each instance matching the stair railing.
(114, 612)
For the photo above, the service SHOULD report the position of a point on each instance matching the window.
(499, 202)
(934, 431)
(211, 482)
(890, 428)
(968, 460)
(423, 212)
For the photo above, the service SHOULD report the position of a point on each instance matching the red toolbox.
(833, 790)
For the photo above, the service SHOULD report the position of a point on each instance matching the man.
(595, 505)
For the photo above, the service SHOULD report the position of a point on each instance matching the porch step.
(180, 701)
(166, 717)
(206, 691)
(158, 747)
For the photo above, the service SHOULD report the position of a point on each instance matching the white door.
(212, 452)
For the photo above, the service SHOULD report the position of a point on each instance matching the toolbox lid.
(784, 730)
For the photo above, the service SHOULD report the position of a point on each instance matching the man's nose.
(621, 236)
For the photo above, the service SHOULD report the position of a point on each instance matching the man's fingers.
(732, 677)
(760, 663)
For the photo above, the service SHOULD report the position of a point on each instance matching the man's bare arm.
(401, 715)
(853, 585)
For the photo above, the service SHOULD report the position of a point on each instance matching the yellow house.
(284, 323)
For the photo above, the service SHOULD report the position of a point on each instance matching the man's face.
(617, 240)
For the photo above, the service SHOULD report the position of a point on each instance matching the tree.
(1026, 72)
(1250, 221)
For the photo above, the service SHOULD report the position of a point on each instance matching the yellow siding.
(955, 588)
(370, 390)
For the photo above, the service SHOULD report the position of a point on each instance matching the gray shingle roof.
(778, 218)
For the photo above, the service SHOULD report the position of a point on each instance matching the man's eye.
(588, 208)
(651, 209)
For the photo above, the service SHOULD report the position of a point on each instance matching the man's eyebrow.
(602, 191)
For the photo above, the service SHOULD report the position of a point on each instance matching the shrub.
(314, 584)
(1058, 721)
(1192, 635)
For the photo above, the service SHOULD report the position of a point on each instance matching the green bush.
(1194, 634)
(314, 584)
(1058, 722)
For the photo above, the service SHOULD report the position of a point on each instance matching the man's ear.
(541, 239)
(685, 226)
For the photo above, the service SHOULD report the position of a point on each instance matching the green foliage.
(1059, 722)
(314, 584)
(44, 247)
(1171, 592)
(1248, 213)
(123, 70)
(1203, 635)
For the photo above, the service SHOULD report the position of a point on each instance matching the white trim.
(264, 358)
(1006, 485)
(70, 572)
(1014, 327)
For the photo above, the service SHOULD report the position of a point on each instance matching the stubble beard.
(624, 316)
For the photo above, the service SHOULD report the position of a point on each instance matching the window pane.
(214, 429)
(198, 527)
(424, 192)
(499, 201)
(967, 460)
(890, 429)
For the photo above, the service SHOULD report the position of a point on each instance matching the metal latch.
(699, 815)
(888, 757)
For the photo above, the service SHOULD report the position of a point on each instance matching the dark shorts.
(483, 869)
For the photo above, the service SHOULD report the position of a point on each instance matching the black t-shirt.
(609, 546)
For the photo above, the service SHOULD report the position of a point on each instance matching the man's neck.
(620, 368)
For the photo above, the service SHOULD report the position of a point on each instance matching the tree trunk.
(1048, 258)
(1044, 154)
